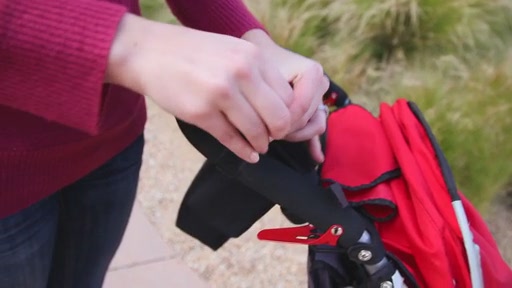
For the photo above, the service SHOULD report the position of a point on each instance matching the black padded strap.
(300, 193)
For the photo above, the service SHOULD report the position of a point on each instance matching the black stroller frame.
(335, 230)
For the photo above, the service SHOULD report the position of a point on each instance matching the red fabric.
(425, 233)
(58, 121)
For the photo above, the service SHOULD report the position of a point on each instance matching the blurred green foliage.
(451, 57)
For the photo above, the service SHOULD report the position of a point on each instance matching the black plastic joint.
(366, 254)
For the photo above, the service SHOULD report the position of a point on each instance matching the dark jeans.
(69, 239)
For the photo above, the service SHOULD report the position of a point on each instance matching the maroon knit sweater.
(58, 120)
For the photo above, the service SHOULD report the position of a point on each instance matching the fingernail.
(254, 157)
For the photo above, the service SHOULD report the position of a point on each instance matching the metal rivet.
(336, 230)
(386, 284)
(364, 255)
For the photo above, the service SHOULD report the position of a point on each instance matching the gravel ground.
(170, 163)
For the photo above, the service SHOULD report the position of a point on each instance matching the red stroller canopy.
(392, 168)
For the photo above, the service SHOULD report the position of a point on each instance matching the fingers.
(243, 117)
(314, 127)
(228, 135)
(315, 149)
(264, 107)
(309, 89)
(269, 102)
(278, 83)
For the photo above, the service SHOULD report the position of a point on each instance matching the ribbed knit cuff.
(57, 54)
(230, 17)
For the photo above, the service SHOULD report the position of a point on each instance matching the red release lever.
(302, 235)
(330, 99)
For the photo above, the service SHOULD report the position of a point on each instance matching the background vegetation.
(452, 57)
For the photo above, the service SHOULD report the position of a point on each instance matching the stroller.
(382, 210)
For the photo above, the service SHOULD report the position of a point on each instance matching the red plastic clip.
(302, 235)
(330, 99)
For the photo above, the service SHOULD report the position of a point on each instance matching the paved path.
(144, 260)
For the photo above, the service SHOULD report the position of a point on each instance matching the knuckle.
(317, 68)
(318, 71)
(302, 122)
(303, 107)
(199, 114)
(220, 90)
(242, 70)
(288, 97)
(228, 138)
(242, 62)
(280, 127)
(254, 132)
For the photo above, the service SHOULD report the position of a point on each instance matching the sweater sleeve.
(230, 17)
(53, 57)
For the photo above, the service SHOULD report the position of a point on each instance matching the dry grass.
(470, 112)
(353, 38)
(448, 56)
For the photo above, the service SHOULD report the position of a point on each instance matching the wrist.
(259, 38)
(124, 49)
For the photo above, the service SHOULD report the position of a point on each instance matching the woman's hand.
(227, 86)
(309, 85)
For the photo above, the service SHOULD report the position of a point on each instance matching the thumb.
(315, 149)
